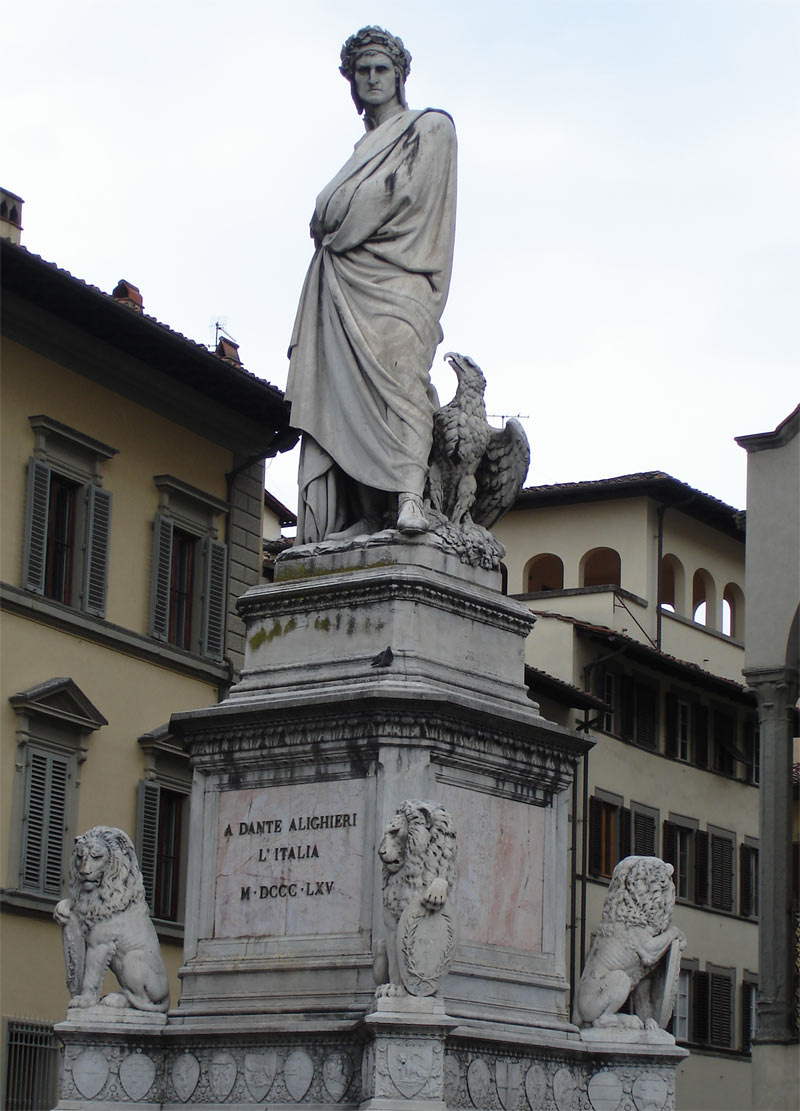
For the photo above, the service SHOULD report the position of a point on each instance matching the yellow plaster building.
(132, 483)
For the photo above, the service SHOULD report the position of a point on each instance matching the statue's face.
(375, 78)
(92, 861)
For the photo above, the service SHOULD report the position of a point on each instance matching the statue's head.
(369, 44)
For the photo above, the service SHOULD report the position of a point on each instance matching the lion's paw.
(390, 991)
(85, 1000)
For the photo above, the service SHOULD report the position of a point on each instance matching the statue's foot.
(411, 518)
(365, 526)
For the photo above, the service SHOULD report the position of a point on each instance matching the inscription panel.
(501, 868)
(290, 860)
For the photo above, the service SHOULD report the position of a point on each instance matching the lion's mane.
(641, 893)
(430, 853)
(122, 880)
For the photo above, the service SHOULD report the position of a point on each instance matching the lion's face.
(641, 893)
(91, 861)
(392, 849)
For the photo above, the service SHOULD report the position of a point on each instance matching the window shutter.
(36, 514)
(44, 823)
(701, 736)
(669, 846)
(745, 886)
(595, 836)
(700, 1008)
(147, 836)
(98, 537)
(161, 576)
(747, 1016)
(671, 714)
(720, 1006)
(721, 873)
(700, 867)
(646, 715)
(216, 559)
(627, 707)
(644, 835)
(625, 832)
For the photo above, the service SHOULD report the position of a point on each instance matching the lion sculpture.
(107, 925)
(629, 950)
(418, 856)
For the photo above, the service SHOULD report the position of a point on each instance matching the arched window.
(704, 598)
(672, 584)
(601, 567)
(733, 611)
(545, 572)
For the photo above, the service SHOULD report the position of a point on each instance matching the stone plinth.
(298, 771)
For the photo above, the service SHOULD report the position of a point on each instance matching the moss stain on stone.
(277, 630)
(323, 624)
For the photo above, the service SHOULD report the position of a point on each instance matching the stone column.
(775, 1072)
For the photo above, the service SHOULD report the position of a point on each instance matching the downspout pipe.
(660, 574)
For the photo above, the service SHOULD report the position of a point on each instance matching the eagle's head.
(469, 374)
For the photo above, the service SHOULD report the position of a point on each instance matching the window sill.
(27, 902)
(95, 629)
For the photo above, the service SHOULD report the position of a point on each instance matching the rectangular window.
(749, 1013)
(712, 1007)
(189, 579)
(639, 711)
(31, 1066)
(609, 697)
(724, 742)
(752, 750)
(67, 534)
(680, 1015)
(644, 831)
(748, 881)
(161, 848)
(610, 835)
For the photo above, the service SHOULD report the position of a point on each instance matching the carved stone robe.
(367, 325)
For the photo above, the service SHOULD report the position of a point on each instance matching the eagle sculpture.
(475, 470)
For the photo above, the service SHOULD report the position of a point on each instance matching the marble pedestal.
(377, 672)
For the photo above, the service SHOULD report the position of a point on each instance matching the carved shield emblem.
(222, 1074)
(298, 1072)
(535, 1085)
(426, 943)
(508, 1078)
(90, 1072)
(565, 1088)
(605, 1091)
(185, 1074)
(478, 1081)
(136, 1075)
(259, 1073)
(337, 1072)
(650, 1092)
(410, 1063)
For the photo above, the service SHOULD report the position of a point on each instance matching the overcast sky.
(627, 244)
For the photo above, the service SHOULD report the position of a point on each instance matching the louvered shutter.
(625, 832)
(669, 845)
(36, 516)
(745, 886)
(44, 823)
(646, 715)
(721, 873)
(98, 537)
(644, 835)
(147, 836)
(700, 867)
(720, 1007)
(671, 715)
(161, 577)
(747, 1016)
(700, 1007)
(700, 722)
(213, 636)
(595, 836)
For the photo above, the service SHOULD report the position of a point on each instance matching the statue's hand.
(436, 894)
(63, 911)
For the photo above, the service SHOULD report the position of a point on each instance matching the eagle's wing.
(501, 473)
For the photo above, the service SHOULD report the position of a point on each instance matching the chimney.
(228, 350)
(127, 294)
(10, 216)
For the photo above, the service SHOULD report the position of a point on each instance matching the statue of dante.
(367, 325)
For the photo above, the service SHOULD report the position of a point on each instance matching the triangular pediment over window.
(60, 700)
